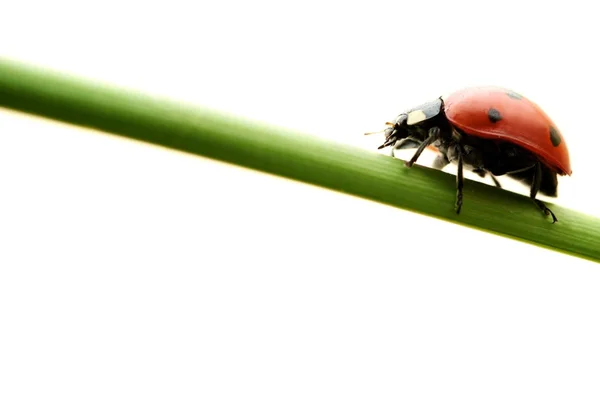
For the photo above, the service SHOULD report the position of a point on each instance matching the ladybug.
(488, 130)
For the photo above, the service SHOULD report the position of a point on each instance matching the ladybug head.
(395, 131)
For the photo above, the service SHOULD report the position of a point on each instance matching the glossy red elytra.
(487, 130)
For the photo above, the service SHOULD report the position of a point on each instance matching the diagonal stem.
(293, 155)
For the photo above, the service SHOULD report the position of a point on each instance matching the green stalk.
(293, 155)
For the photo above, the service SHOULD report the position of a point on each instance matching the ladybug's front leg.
(535, 187)
(434, 134)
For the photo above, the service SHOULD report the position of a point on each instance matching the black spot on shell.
(555, 136)
(514, 95)
(494, 115)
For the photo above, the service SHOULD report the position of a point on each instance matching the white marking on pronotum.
(414, 117)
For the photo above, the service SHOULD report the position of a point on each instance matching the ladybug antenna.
(381, 131)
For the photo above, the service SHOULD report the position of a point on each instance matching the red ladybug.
(488, 130)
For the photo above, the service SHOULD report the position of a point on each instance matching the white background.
(131, 271)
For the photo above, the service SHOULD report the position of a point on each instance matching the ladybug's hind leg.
(535, 187)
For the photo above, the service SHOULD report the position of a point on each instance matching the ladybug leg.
(459, 179)
(434, 134)
(535, 187)
(495, 181)
(483, 173)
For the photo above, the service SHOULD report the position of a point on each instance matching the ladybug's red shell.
(496, 113)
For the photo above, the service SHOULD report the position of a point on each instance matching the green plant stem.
(293, 155)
